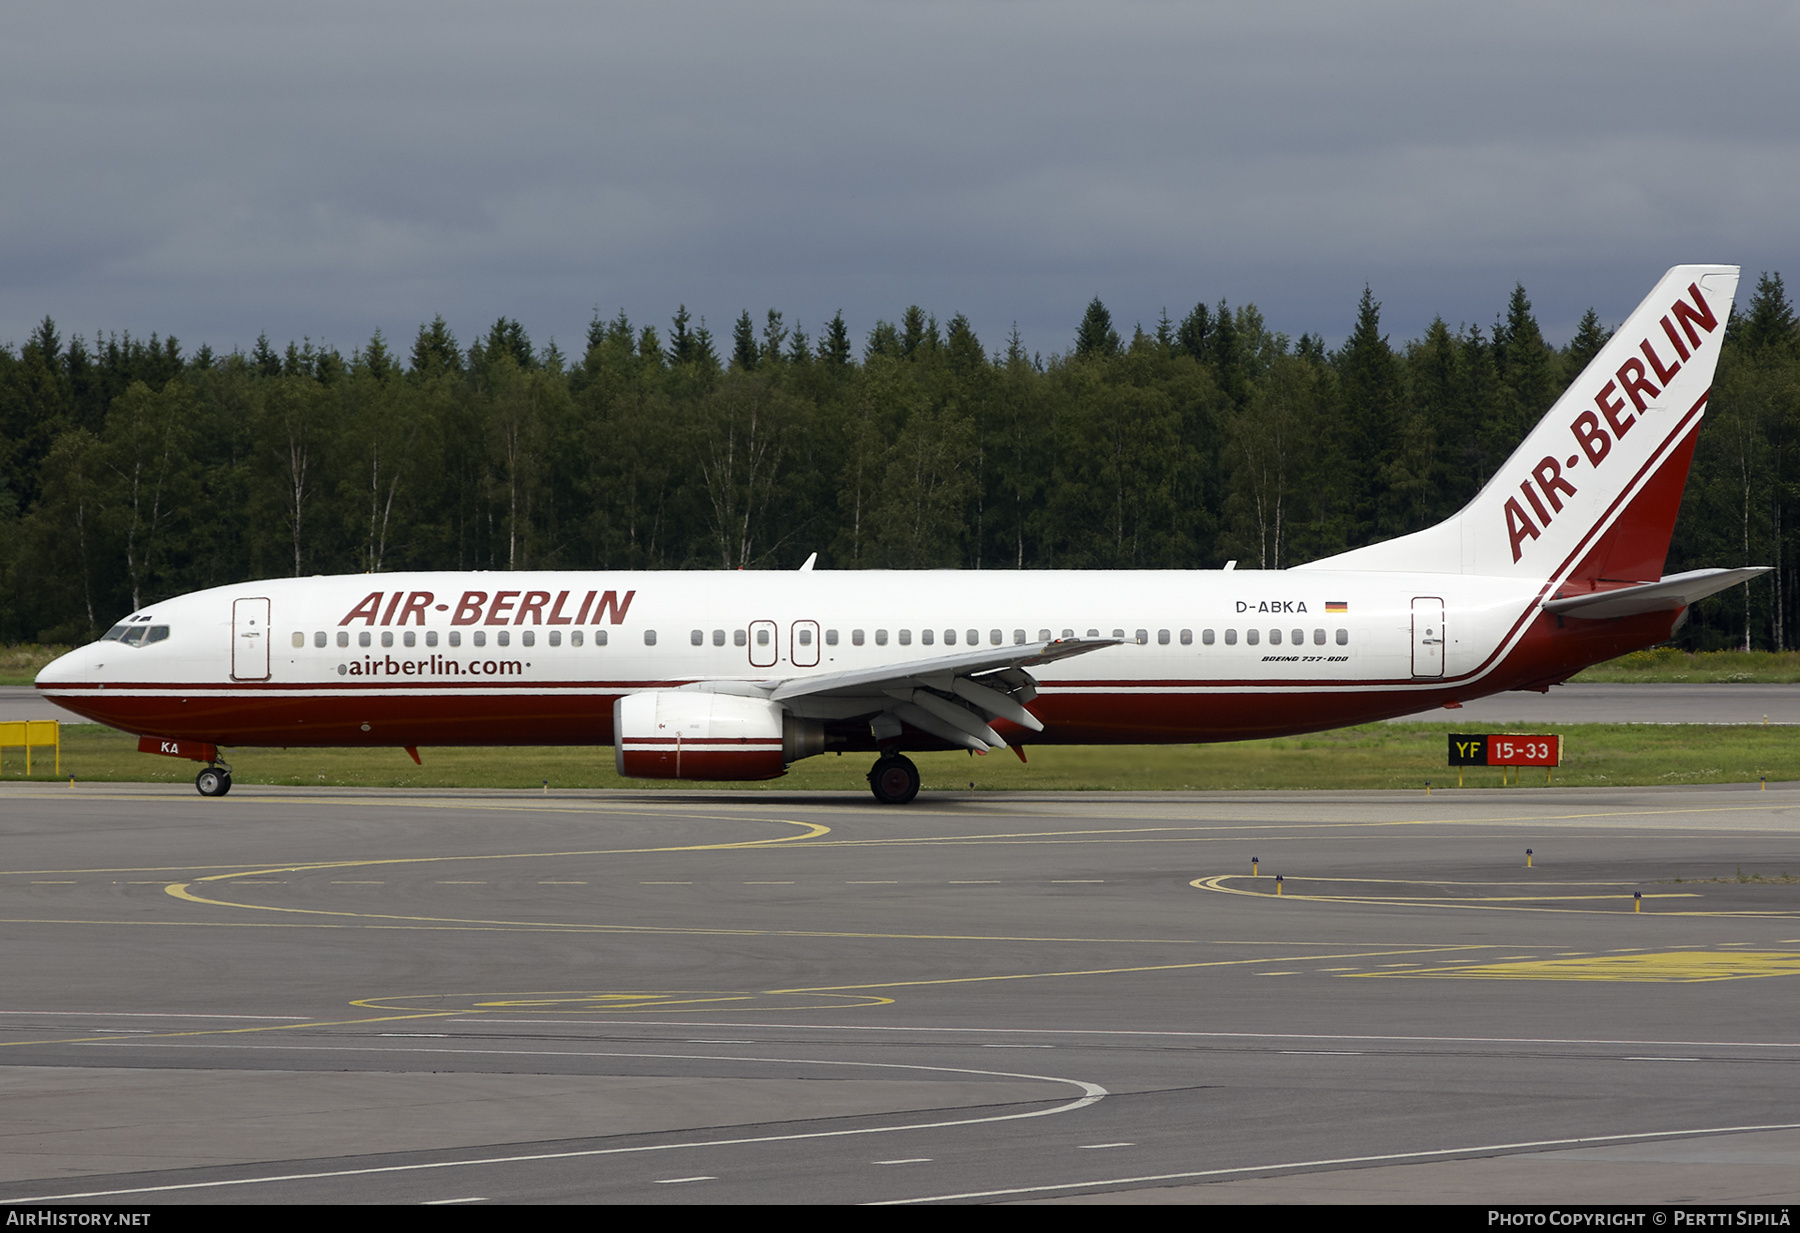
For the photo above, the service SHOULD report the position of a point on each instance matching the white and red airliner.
(1556, 564)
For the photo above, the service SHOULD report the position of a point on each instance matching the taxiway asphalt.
(352, 996)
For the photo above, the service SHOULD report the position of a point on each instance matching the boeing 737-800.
(1556, 564)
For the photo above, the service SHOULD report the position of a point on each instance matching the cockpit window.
(135, 634)
(114, 634)
(157, 634)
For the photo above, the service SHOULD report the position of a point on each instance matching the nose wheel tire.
(213, 781)
(894, 780)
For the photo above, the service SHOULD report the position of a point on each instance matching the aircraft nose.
(66, 669)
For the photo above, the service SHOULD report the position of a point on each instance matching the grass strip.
(1369, 756)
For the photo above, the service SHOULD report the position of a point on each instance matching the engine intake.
(687, 734)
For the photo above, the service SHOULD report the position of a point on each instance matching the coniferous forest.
(132, 469)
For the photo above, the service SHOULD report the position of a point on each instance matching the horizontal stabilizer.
(1671, 594)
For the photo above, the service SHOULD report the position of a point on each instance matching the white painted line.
(1323, 1164)
(1095, 1147)
(675, 1181)
(448, 1202)
(1092, 1093)
(908, 1160)
(1018, 1046)
(150, 1014)
(1074, 881)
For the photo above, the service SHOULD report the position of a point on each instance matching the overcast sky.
(322, 170)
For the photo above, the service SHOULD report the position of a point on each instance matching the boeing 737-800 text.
(1556, 564)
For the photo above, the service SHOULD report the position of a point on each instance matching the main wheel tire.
(213, 782)
(894, 780)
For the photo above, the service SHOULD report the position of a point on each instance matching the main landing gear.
(894, 780)
(214, 781)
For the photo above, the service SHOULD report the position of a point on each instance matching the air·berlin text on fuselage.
(499, 608)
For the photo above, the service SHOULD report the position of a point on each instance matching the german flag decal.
(1336, 605)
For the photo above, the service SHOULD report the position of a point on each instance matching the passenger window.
(1162, 637)
(504, 637)
(1093, 633)
(480, 637)
(762, 637)
(926, 636)
(1068, 633)
(831, 637)
(1299, 637)
(697, 637)
(1018, 637)
(455, 638)
(881, 637)
(431, 637)
(1274, 637)
(949, 637)
(1043, 635)
(319, 638)
(527, 637)
(1318, 637)
(387, 638)
(1143, 637)
(362, 639)
(343, 638)
(856, 637)
(806, 637)
(1231, 637)
(974, 637)
(1119, 633)
(1251, 637)
(905, 637)
(299, 639)
(599, 637)
(555, 637)
(1343, 637)
(649, 637)
(1187, 637)
(574, 637)
(410, 638)
(718, 637)
(739, 637)
(1206, 637)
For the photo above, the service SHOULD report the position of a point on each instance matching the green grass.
(1669, 665)
(19, 665)
(1371, 756)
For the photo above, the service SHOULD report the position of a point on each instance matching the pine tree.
(1096, 336)
(743, 343)
(681, 339)
(1769, 323)
(1195, 334)
(434, 351)
(834, 347)
(1590, 337)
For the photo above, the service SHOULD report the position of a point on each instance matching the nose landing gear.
(213, 781)
(894, 779)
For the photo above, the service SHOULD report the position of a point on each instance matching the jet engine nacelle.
(688, 734)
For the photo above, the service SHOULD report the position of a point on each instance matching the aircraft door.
(765, 644)
(1428, 637)
(804, 651)
(250, 640)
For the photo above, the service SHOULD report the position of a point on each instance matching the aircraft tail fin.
(1591, 495)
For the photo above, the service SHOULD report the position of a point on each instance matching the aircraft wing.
(1672, 593)
(939, 695)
